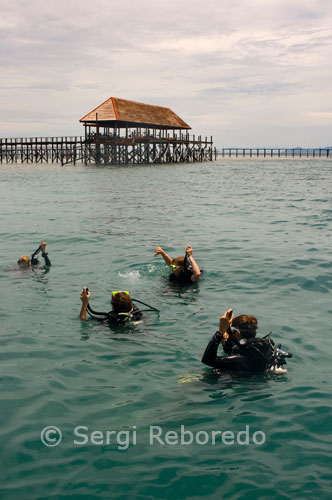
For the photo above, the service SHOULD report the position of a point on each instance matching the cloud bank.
(250, 73)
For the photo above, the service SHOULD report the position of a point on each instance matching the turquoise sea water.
(261, 230)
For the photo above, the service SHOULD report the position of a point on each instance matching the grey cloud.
(66, 58)
(259, 89)
(14, 115)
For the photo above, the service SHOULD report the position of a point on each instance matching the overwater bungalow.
(119, 131)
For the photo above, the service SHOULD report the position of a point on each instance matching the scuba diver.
(245, 352)
(185, 269)
(24, 261)
(123, 309)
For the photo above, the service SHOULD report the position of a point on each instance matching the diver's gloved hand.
(85, 296)
(225, 321)
(42, 246)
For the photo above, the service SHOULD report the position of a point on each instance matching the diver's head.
(24, 261)
(121, 302)
(180, 262)
(246, 324)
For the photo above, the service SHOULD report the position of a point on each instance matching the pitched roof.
(134, 114)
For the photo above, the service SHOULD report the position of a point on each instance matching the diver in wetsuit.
(123, 308)
(25, 261)
(185, 270)
(245, 351)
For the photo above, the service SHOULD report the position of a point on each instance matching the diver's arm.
(194, 265)
(210, 354)
(42, 246)
(160, 251)
(83, 311)
(196, 269)
(85, 297)
(210, 357)
(47, 260)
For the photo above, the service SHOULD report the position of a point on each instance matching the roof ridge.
(114, 108)
(138, 102)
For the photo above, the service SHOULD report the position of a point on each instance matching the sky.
(251, 73)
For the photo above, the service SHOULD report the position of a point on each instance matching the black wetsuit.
(116, 318)
(255, 355)
(210, 358)
(184, 277)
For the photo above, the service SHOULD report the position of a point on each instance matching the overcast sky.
(248, 72)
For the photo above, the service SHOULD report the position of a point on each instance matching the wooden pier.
(106, 150)
(274, 152)
(117, 132)
(136, 148)
(41, 150)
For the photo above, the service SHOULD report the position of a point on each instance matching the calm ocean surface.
(261, 230)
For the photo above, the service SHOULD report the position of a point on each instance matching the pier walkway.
(275, 152)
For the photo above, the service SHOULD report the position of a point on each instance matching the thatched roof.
(120, 112)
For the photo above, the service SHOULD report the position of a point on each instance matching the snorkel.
(36, 252)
